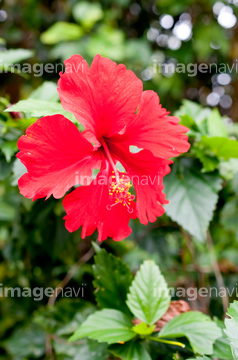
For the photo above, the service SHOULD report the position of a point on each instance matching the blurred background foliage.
(35, 248)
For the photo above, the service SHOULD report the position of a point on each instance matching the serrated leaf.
(61, 31)
(148, 298)
(112, 280)
(108, 325)
(197, 327)
(130, 351)
(232, 328)
(192, 196)
(38, 108)
(221, 348)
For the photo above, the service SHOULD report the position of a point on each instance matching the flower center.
(119, 188)
(119, 191)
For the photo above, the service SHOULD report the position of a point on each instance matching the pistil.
(109, 157)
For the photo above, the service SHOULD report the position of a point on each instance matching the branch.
(217, 272)
(70, 274)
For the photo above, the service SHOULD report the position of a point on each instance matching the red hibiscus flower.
(109, 102)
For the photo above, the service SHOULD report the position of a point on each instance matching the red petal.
(56, 156)
(87, 207)
(102, 97)
(146, 172)
(152, 129)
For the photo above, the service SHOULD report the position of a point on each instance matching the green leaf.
(229, 215)
(5, 168)
(38, 108)
(148, 298)
(229, 171)
(9, 149)
(235, 182)
(7, 212)
(61, 31)
(209, 162)
(14, 56)
(221, 146)
(197, 327)
(215, 124)
(207, 34)
(47, 91)
(221, 348)
(9, 60)
(26, 343)
(112, 280)
(96, 247)
(108, 42)
(186, 120)
(201, 358)
(18, 170)
(192, 195)
(65, 317)
(232, 328)
(130, 351)
(87, 350)
(194, 115)
(143, 329)
(87, 13)
(190, 108)
(108, 325)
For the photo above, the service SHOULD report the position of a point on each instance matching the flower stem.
(166, 341)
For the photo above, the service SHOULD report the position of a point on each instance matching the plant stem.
(70, 274)
(217, 272)
(166, 341)
(60, 287)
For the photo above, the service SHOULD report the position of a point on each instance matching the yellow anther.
(119, 192)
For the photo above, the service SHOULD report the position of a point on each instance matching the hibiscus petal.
(56, 156)
(87, 207)
(151, 128)
(146, 172)
(102, 97)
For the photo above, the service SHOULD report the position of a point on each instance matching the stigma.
(119, 191)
